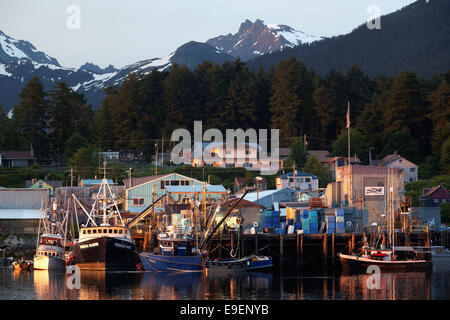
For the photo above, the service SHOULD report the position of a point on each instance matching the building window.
(412, 169)
(436, 200)
(247, 152)
(120, 231)
(180, 154)
(307, 179)
(163, 185)
(291, 179)
(138, 202)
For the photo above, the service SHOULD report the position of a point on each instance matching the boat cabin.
(175, 246)
(50, 245)
(105, 231)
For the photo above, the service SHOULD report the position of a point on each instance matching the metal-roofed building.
(20, 209)
(185, 192)
(267, 197)
(140, 196)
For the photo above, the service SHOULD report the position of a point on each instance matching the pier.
(311, 250)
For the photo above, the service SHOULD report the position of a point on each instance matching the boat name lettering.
(94, 244)
(120, 245)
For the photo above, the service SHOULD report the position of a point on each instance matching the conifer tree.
(31, 115)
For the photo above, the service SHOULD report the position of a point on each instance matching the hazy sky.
(122, 32)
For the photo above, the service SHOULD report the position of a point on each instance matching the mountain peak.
(257, 38)
(12, 50)
(96, 69)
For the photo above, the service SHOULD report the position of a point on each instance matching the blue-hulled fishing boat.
(175, 252)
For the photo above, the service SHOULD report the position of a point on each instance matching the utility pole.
(348, 127)
(156, 160)
(129, 177)
(293, 171)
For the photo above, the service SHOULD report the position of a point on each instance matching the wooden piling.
(324, 251)
(298, 251)
(301, 250)
(353, 241)
(281, 248)
(333, 254)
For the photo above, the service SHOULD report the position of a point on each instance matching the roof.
(253, 196)
(21, 155)
(298, 174)
(391, 158)
(322, 155)
(196, 188)
(20, 214)
(154, 178)
(429, 192)
(141, 180)
(242, 204)
(51, 183)
(91, 182)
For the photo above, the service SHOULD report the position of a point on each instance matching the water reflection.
(41, 284)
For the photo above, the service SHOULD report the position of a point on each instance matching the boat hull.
(227, 265)
(163, 263)
(105, 253)
(49, 263)
(359, 264)
(260, 264)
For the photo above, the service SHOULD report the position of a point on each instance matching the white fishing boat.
(50, 247)
(50, 253)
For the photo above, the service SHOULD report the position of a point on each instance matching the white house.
(302, 181)
(410, 169)
(217, 155)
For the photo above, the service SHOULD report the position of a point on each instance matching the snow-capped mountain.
(13, 50)
(257, 38)
(20, 61)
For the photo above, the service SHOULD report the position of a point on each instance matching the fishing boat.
(227, 265)
(176, 252)
(49, 253)
(260, 262)
(104, 242)
(390, 257)
(50, 247)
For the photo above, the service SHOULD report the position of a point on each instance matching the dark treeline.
(404, 113)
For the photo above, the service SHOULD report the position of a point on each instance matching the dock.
(310, 250)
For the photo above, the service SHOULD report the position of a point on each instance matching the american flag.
(348, 116)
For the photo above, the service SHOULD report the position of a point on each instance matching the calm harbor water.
(30, 285)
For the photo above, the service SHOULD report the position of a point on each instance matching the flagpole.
(348, 133)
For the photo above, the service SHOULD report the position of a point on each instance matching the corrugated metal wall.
(22, 198)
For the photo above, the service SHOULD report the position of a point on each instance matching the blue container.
(278, 231)
(340, 225)
(268, 224)
(305, 230)
(330, 218)
(276, 223)
(305, 214)
(289, 222)
(275, 213)
(268, 214)
(313, 213)
(283, 224)
(313, 230)
(298, 225)
(339, 230)
(340, 212)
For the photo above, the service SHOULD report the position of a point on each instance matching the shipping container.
(340, 212)
(278, 231)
